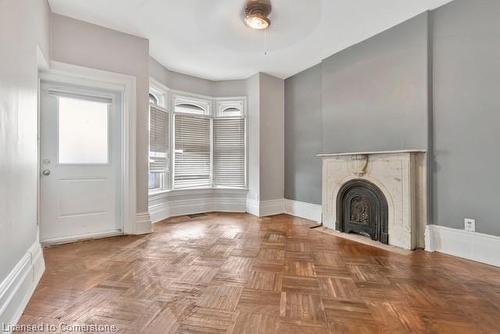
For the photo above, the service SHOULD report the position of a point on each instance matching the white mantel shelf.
(328, 155)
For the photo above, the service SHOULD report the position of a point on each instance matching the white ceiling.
(207, 38)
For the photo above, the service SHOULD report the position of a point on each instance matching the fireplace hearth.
(362, 209)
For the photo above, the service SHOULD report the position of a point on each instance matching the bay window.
(208, 144)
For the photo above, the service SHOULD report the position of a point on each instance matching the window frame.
(210, 140)
(211, 105)
(166, 182)
(222, 104)
(161, 94)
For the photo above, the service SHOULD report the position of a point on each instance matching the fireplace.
(362, 209)
(382, 195)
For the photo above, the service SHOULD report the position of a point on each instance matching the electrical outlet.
(470, 225)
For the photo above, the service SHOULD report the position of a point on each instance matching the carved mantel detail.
(358, 164)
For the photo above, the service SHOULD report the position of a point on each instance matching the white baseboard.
(303, 210)
(143, 224)
(271, 207)
(80, 237)
(184, 203)
(265, 208)
(18, 287)
(253, 207)
(168, 205)
(469, 245)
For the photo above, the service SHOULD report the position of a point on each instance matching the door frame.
(125, 85)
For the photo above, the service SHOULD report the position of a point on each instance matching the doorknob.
(46, 172)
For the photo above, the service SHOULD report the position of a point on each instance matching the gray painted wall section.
(190, 84)
(303, 139)
(467, 114)
(371, 96)
(253, 126)
(375, 93)
(272, 137)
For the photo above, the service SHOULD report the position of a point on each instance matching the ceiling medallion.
(257, 14)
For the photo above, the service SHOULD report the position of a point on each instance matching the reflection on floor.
(235, 273)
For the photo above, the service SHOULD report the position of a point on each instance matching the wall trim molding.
(252, 207)
(271, 207)
(81, 237)
(279, 206)
(143, 224)
(19, 285)
(190, 202)
(303, 210)
(468, 245)
(265, 208)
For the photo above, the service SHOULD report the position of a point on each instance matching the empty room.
(250, 166)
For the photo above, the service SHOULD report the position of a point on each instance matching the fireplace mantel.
(400, 175)
(328, 155)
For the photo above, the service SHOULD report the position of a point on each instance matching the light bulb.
(257, 22)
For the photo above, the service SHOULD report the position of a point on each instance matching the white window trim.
(170, 98)
(160, 91)
(167, 182)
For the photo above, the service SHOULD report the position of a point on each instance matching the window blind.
(192, 152)
(229, 152)
(158, 148)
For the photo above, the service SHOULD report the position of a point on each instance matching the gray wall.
(177, 81)
(371, 96)
(467, 114)
(253, 119)
(190, 84)
(272, 137)
(265, 138)
(24, 24)
(375, 96)
(375, 93)
(80, 43)
(303, 139)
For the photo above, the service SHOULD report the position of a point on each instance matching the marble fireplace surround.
(402, 178)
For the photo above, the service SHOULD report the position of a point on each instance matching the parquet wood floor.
(235, 273)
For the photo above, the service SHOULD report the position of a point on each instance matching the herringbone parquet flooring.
(235, 273)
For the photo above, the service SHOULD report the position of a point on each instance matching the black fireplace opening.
(362, 209)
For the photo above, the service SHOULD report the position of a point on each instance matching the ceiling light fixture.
(257, 14)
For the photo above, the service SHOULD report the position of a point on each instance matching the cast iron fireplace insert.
(362, 209)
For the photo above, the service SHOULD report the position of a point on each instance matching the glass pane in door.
(83, 131)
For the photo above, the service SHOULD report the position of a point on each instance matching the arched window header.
(153, 99)
(230, 108)
(191, 105)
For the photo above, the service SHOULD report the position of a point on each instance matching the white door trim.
(126, 85)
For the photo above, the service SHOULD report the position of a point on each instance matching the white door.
(80, 163)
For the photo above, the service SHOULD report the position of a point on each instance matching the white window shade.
(229, 152)
(192, 152)
(159, 146)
